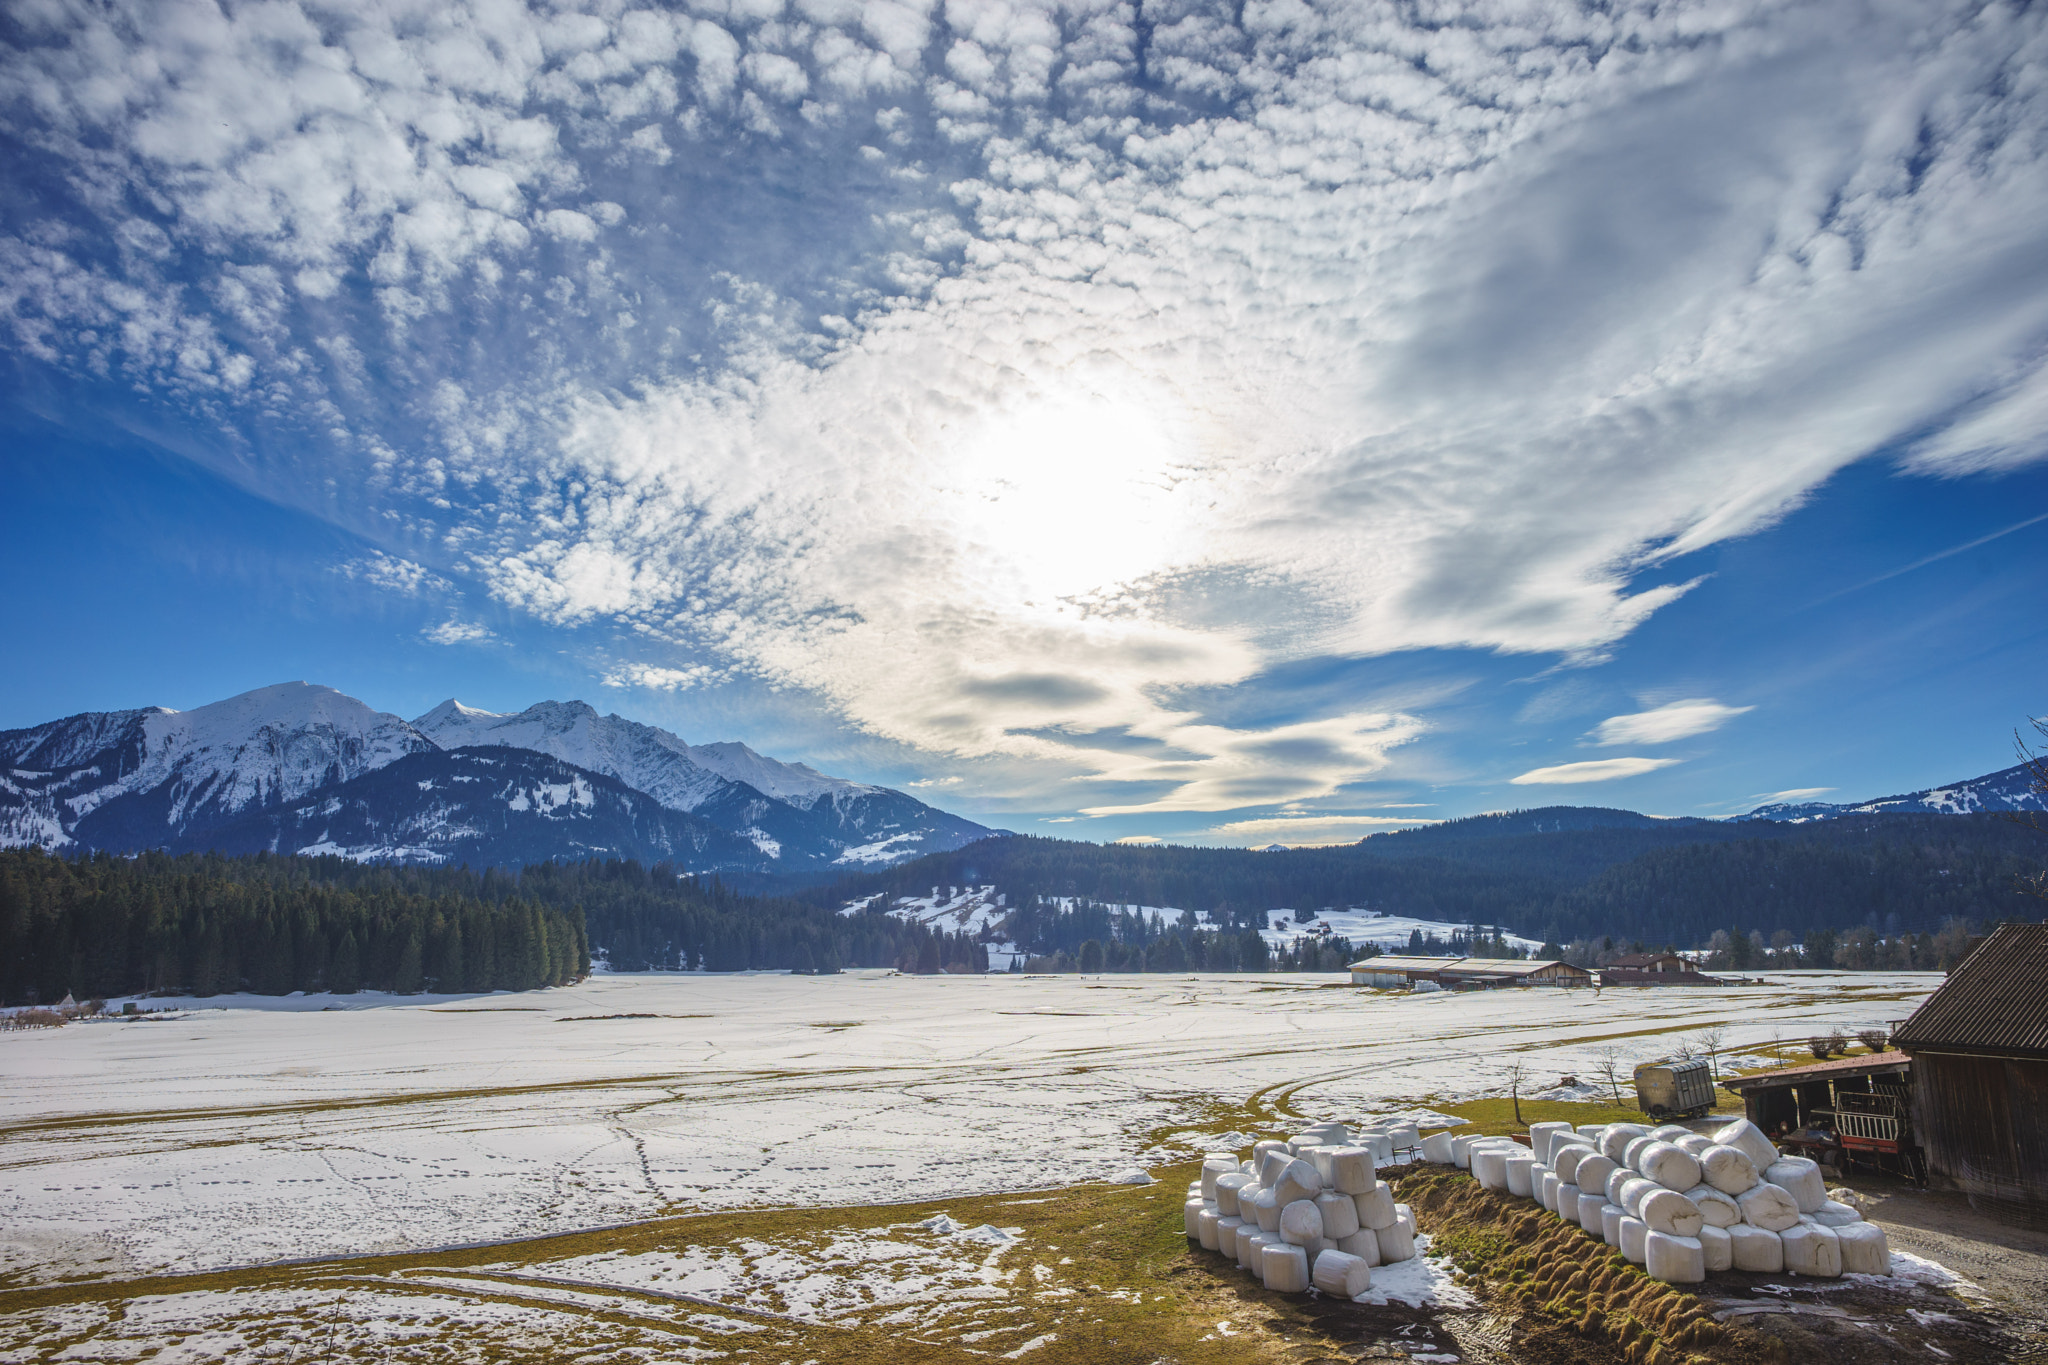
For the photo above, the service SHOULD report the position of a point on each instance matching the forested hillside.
(1556, 875)
(204, 924)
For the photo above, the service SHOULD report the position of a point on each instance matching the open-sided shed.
(1980, 1074)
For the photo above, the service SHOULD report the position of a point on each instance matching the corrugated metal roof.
(1390, 963)
(1996, 1000)
(1841, 1068)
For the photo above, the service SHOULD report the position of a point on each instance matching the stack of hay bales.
(1310, 1211)
(1679, 1203)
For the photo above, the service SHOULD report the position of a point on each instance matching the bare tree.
(1711, 1040)
(1610, 1068)
(2035, 761)
(1516, 1073)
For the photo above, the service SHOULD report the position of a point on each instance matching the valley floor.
(782, 1147)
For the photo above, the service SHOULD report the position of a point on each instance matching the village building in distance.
(1464, 973)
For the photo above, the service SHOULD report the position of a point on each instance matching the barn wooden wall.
(1983, 1123)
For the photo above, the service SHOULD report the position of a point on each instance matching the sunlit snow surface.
(132, 1146)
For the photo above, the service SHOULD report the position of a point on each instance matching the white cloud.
(1598, 770)
(1794, 794)
(935, 782)
(1307, 829)
(659, 679)
(1671, 721)
(394, 574)
(456, 633)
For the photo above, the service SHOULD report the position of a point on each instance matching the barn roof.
(1389, 962)
(1996, 999)
(1842, 1068)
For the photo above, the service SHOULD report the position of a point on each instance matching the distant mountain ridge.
(2008, 789)
(234, 774)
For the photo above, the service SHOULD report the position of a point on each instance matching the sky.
(1247, 423)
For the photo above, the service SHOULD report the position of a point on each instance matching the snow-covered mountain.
(795, 814)
(235, 772)
(488, 807)
(151, 778)
(2009, 789)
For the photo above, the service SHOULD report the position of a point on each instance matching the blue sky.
(1213, 423)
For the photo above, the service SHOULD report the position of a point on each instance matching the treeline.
(1562, 874)
(203, 924)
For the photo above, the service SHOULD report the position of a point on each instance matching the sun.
(1072, 496)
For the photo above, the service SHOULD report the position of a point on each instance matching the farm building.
(1851, 1108)
(1979, 1047)
(1466, 973)
(1653, 969)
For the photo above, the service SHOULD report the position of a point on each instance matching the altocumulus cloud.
(919, 356)
(1671, 721)
(1594, 770)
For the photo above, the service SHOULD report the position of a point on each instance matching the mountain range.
(299, 768)
(2008, 789)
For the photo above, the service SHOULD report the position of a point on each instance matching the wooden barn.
(1980, 1075)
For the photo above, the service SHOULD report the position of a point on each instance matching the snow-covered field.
(226, 1136)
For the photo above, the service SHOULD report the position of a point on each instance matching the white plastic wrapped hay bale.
(1766, 1206)
(1273, 1163)
(1301, 1222)
(1191, 1212)
(1634, 1191)
(1461, 1151)
(1671, 1213)
(1566, 1161)
(1717, 1248)
(1670, 1132)
(1299, 1181)
(1863, 1248)
(1226, 1233)
(1756, 1249)
(1590, 1204)
(1205, 1228)
(1265, 1210)
(1632, 1155)
(1376, 1208)
(1695, 1143)
(1284, 1268)
(1380, 1142)
(1567, 1197)
(1614, 1142)
(1634, 1232)
(1673, 1259)
(1340, 1213)
(1490, 1167)
(1747, 1138)
(1719, 1210)
(1800, 1178)
(1811, 1249)
(1835, 1215)
(1617, 1178)
(1215, 1166)
(1610, 1223)
(1341, 1275)
(1248, 1246)
(1546, 1190)
(1593, 1171)
(1404, 1137)
(1397, 1243)
(1227, 1188)
(1727, 1169)
(1318, 1247)
(1351, 1170)
(1670, 1166)
(1436, 1148)
(1519, 1165)
(1540, 1135)
(1364, 1244)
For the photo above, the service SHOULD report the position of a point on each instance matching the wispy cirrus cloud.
(1664, 724)
(1595, 770)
